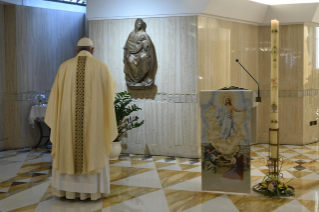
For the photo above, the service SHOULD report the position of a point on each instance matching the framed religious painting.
(225, 140)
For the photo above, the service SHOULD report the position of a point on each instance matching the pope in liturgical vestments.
(83, 126)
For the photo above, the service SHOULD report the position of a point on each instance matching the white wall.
(118, 9)
(47, 5)
(233, 10)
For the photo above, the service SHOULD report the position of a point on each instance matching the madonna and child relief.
(226, 140)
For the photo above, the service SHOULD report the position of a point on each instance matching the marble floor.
(157, 184)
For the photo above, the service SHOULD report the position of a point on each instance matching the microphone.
(258, 98)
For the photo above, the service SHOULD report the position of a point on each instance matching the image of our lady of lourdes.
(224, 151)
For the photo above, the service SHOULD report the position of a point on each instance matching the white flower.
(39, 97)
(271, 187)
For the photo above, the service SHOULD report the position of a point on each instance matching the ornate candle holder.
(273, 183)
(273, 160)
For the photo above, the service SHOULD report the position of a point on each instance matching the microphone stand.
(258, 99)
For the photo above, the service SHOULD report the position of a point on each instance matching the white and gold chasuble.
(81, 115)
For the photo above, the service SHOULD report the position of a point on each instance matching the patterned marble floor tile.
(312, 156)
(259, 162)
(168, 160)
(56, 204)
(312, 152)
(161, 164)
(149, 165)
(142, 157)
(283, 147)
(303, 186)
(29, 208)
(113, 162)
(254, 179)
(23, 177)
(254, 149)
(301, 157)
(196, 169)
(254, 154)
(42, 169)
(293, 206)
(258, 145)
(6, 184)
(312, 165)
(47, 195)
(194, 184)
(146, 179)
(157, 158)
(4, 190)
(175, 167)
(24, 198)
(9, 170)
(139, 162)
(302, 147)
(169, 177)
(312, 176)
(266, 150)
(121, 193)
(38, 176)
(311, 205)
(288, 155)
(291, 146)
(17, 186)
(119, 172)
(257, 172)
(287, 164)
(263, 154)
(154, 201)
(183, 200)
(314, 147)
(301, 164)
(185, 167)
(182, 160)
(2, 195)
(299, 174)
(301, 161)
(221, 203)
(251, 203)
(31, 166)
(124, 163)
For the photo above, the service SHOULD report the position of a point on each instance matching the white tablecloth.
(37, 113)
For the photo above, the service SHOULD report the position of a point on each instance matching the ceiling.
(277, 2)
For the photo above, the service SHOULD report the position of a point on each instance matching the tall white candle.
(274, 85)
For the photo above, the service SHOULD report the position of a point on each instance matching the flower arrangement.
(39, 97)
(272, 186)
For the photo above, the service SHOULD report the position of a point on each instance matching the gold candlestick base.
(274, 174)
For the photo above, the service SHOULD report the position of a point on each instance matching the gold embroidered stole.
(79, 114)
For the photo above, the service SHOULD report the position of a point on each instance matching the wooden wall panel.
(2, 79)
(311, 83)
(11, 118)
(38, 41)
(290, 81)
(220, 43)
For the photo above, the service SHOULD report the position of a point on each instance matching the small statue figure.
(274, 107)
(139, 58)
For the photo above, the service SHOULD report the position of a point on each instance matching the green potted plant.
(125, 122)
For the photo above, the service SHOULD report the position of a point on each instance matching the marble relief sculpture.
(139, 58)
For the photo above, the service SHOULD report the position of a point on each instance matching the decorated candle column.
(274, 89)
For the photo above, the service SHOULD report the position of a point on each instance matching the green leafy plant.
(123, 110)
